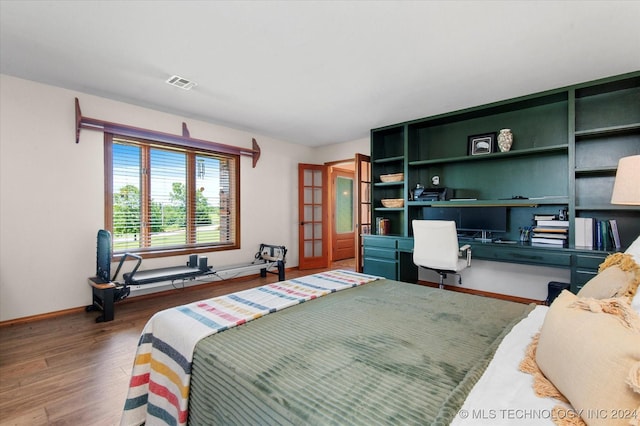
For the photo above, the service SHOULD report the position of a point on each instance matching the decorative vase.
(505, 140)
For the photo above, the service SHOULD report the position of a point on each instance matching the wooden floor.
(69, 370)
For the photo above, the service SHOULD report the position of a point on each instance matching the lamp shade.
(626, 189)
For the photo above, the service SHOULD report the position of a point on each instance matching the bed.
(369, 351)
(385, 352)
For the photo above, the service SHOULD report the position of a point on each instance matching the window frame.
(190, 151)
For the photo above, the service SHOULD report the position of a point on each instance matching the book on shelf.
(584, 227)
(597, 234)
(549, 235)
(553, 222)
(549, 241)
(603, 238)
(544, 217)
(615, 236)
(551, 229)
(607, 238)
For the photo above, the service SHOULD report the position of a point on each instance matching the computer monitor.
(478, 219)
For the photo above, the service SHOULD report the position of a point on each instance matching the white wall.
(52, 190)
(527, 281)
(342, 151)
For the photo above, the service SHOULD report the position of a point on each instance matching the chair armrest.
(466, 248)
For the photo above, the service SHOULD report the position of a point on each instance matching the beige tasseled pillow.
(590, 351)
(618, 276)
(608, 283)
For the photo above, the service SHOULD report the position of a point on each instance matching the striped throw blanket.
(159, 386)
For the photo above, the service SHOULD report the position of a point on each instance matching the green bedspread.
(384, 353)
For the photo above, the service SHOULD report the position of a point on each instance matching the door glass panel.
(365, 212)
(364, 191)
(317, 178)
(365, 169)
(308, 213)
(308, 249)
(308, 178)
(308, 195)
(344, 205)
(308, 231)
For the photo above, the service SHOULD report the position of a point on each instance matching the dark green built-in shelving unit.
(567, 143)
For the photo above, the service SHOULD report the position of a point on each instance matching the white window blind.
(126, 196)
(167, 198)
(168, 203)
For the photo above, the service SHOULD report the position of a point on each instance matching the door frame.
(305, 263)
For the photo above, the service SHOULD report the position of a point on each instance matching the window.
(165, 200)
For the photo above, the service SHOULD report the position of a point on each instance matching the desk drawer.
(582, 277)
(379, 253)
(386, 242)
(590, 261)
(379, 267)
(522, 255)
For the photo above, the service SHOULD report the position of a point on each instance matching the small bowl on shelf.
(394, 177)
(393, 202)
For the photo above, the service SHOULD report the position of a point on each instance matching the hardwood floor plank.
(70, 370)
(34, 417)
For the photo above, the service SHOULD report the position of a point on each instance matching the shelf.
(493, 156)
(556, 96)
(389, 159)
(602, 131)
(389, 209)
(388, 184)
(560, 200)
(607, 207)
(596, 170)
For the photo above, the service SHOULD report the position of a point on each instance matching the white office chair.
(435, 247)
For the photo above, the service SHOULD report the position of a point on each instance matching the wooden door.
(342, 214)
(362, 205)
(312, 213)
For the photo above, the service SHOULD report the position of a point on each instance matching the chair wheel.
(90, 308)
(100, 318)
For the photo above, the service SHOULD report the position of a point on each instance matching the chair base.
(444, 274)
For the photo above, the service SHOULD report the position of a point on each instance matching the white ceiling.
(316, 73)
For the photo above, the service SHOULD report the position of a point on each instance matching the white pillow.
(634, 250)
(635, 303)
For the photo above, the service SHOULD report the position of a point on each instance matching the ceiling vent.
(181, 82)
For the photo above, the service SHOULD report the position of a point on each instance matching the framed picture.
(482, 144)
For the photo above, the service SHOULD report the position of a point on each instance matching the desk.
(392, 257)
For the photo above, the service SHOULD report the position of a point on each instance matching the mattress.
(383, 353)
